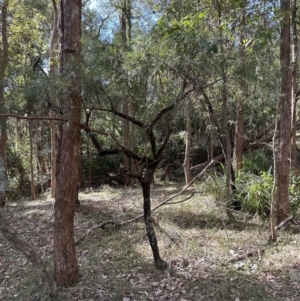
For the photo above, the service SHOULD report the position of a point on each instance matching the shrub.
(254, 193)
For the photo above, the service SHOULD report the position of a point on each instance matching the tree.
(3, 125)
(239, 126)
(295, 54)
(125, 24)
(52, 74)
(283, 204)
(188, 145)
(65, 261)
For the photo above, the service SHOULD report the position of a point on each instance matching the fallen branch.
(250, 253)
(289, 219)
(90, 231)
(165, 202)
(25, 248)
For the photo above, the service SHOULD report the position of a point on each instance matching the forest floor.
(209, 258)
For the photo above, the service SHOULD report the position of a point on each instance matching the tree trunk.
(294, 163)
(31, 161)
(52, 74)
(90, 152)
(3, 182)
(188, 146)
(65, 261)
(273, 206)
(125, 24)
(225, 140)
(211, 138)
(41, 158)
(283, 204)
(3, 125)
(239, 124)
(146, 184)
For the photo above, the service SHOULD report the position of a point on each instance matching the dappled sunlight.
(205, 252)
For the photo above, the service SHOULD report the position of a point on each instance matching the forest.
(149, 150)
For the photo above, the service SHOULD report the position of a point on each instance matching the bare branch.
(165, 202)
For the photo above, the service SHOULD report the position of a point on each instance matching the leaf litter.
(206, 261)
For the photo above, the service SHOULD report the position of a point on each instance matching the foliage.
(254, 192)
(19, 184)
(258, 161)
(215, 184)
(100, 167)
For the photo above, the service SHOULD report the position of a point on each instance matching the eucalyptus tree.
(65, 260)
(53, 70)
(282, 172)
(3, 123)
(295, 86)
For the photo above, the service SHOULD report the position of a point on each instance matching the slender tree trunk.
(146, 186)
(188, 146)
(227, 144)
(3, 125)
(274, 188)
(225, 140)
(52, 73)
(31, 161)
(65, 261)
(125, 23)
(211, 138)
(283, 203)
(90, 151)
(294, 52)
(239, 125)
(41, 158)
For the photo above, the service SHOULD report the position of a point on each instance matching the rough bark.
(65, 261)
(3, 125)
(52, 74)
(294, 52)
(146, 184)
(283, 204)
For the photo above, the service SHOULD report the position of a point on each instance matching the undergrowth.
(201, 246)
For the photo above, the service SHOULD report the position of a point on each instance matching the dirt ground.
(208, 257)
